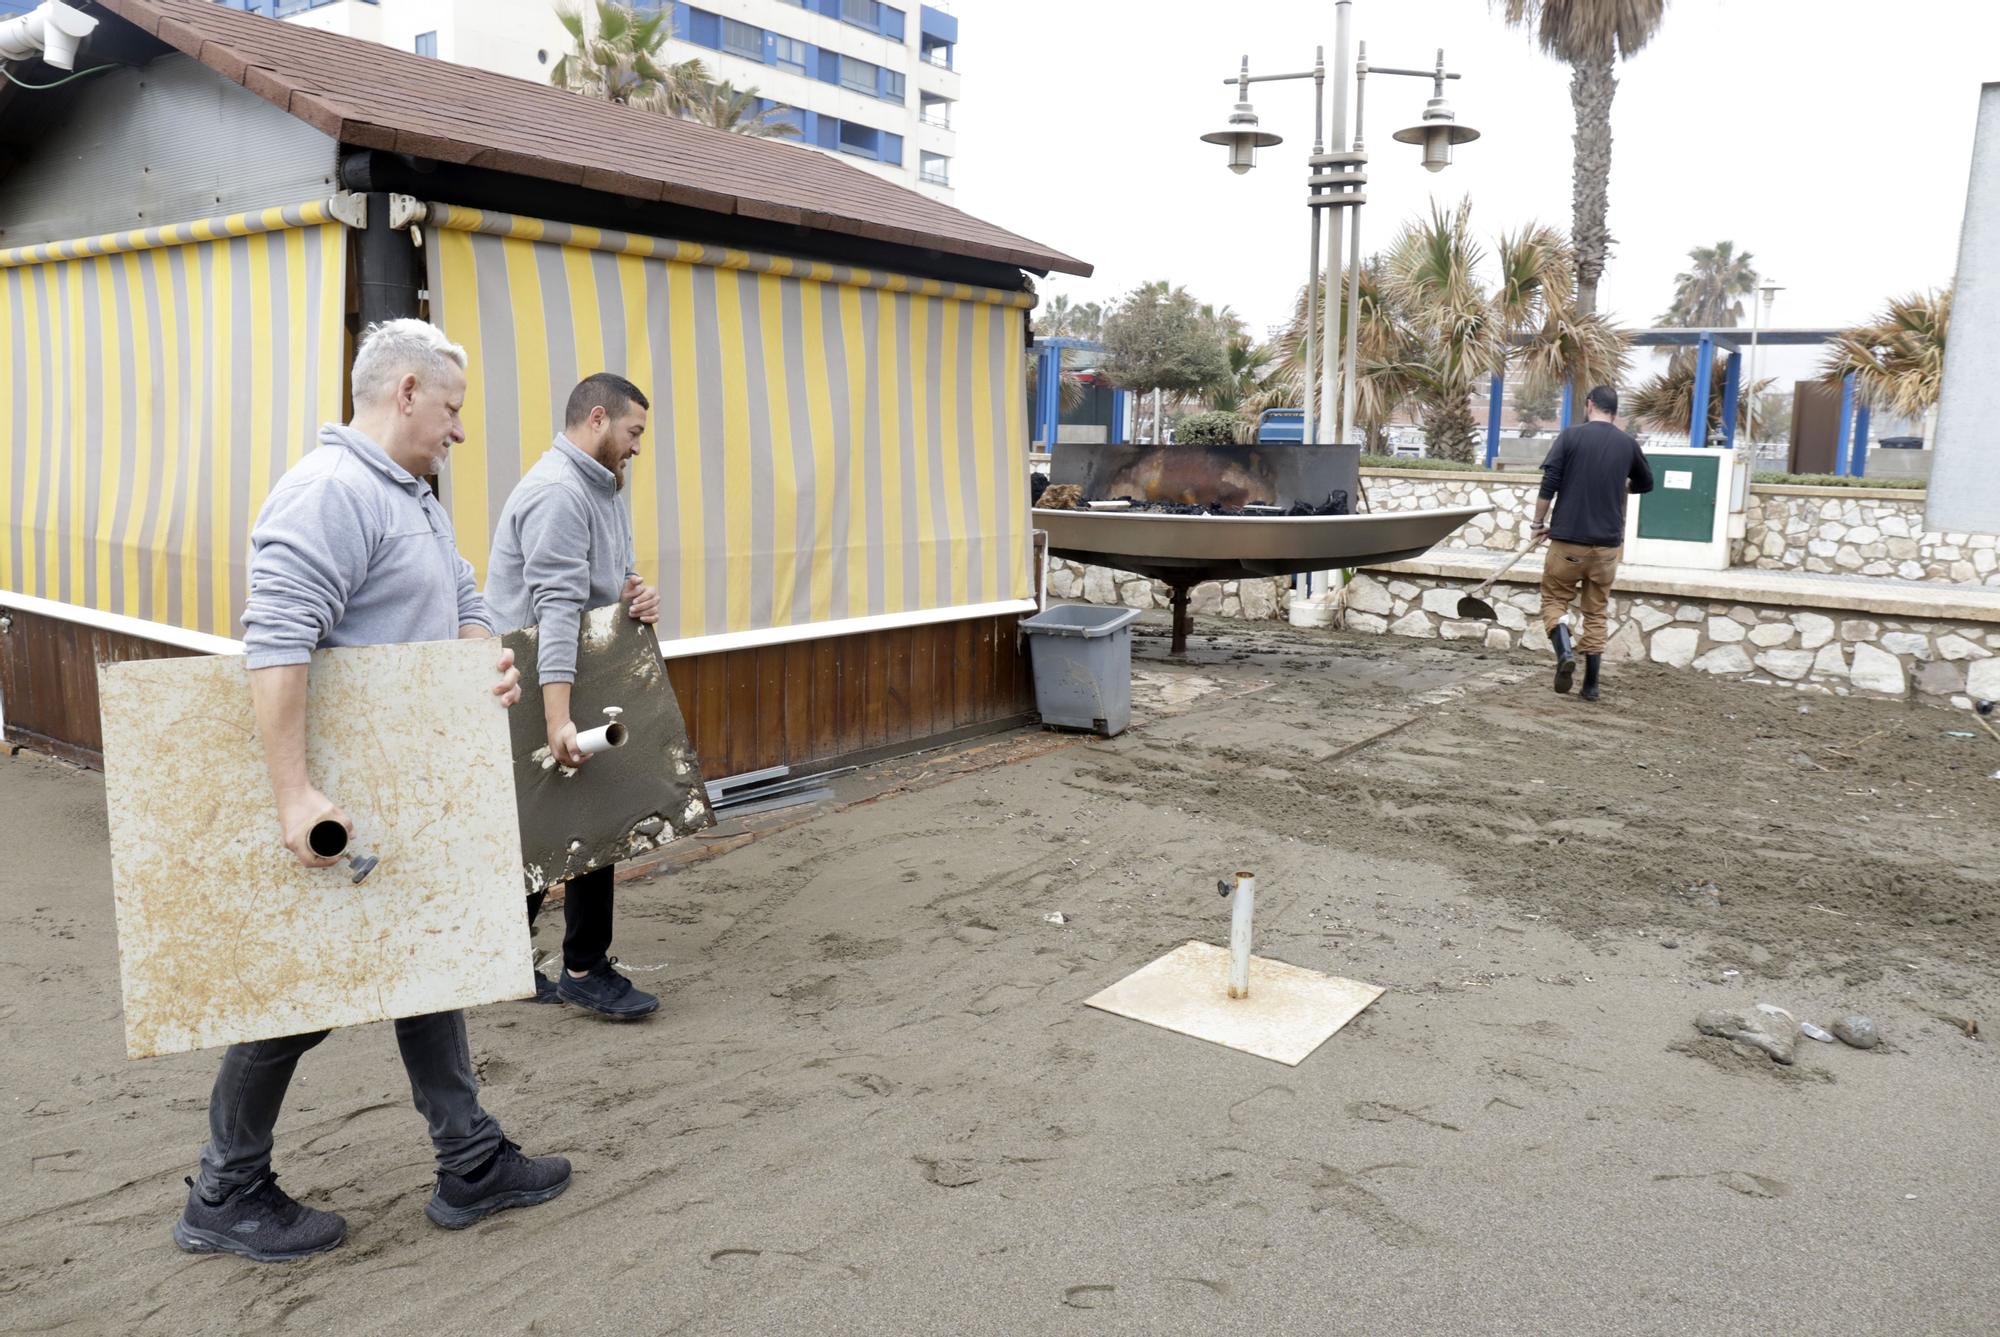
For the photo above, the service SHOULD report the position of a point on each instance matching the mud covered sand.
(873, 1102)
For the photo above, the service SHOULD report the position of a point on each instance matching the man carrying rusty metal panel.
(562, 546)
(351, 548)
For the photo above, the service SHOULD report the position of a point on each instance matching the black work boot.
(1565, 657)
(258, 1221)
(1591, 663)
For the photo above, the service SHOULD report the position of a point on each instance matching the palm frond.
(1897, 358)
(1567, 29)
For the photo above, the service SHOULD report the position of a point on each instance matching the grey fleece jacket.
(350, 549)
(563, 544)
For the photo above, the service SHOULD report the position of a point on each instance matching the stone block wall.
(1821, 530)
(1832, 531)
(1938, 661)
(1253, 599)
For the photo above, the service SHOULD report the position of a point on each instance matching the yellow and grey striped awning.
(157, 383)
(827, 443)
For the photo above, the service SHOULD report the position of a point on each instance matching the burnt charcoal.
(1038, 483)
(1335, 504)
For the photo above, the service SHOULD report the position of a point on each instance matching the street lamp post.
(1768, 293)
(1335, 183)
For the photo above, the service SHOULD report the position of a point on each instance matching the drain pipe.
(52, 31)
(388, 273)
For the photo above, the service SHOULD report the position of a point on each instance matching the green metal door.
(1682, 503)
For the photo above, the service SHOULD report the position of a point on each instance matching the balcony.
(936, 114)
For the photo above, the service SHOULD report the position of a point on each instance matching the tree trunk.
(1591, 87)
(1450, 430)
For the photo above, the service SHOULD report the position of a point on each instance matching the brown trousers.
(1570, 569)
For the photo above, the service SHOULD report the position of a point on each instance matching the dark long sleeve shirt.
(1589, 471)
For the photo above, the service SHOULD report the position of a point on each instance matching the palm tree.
(1452, 334)
(1706, 295)
(1665, 402)
(723, 106)
(619, 60)
(1248, 361)
(1590, 36)
(1897, 358)
(1376, 337)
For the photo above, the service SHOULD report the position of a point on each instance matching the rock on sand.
(1857, 1031)
(1773, 1032)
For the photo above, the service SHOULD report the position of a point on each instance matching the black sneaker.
(607, 992)
(509, 1180)
(259, 1221)
(545, 990)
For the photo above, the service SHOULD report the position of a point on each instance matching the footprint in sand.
(1266, 1102)
(734, 1259)
(860, 1085)
(1094, 1296)
(1738, 1181)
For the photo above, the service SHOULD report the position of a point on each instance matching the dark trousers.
(586, 917)
(243, 1108)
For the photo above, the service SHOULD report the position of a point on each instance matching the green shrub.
(1415, 462)
(1208, 429)
(1838, 480)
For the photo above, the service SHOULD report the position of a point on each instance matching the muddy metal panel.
(136, 148)
(620, 803)
(223, 936)
(1188, 549)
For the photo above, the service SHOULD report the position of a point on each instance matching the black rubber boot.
(1565, 657)
(1591, 663)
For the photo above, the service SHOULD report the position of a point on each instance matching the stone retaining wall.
(1860, 531)
(1938, 661)
(1941, 662)
(1870, 534)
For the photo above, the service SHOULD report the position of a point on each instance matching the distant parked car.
(1285, 427)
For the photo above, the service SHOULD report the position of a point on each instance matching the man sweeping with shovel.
(1588, 474)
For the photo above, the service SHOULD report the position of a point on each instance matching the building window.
(862, 140)
(934, 168)
(861, 13)
(892, 85)
(790, 53)
(937, 112)
(427, 43)
(740, 39)
(892, 149)
(858, 75)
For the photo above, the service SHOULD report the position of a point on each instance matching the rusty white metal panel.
(223, 935)
(620, 804)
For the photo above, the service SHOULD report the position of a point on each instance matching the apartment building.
(865, 79)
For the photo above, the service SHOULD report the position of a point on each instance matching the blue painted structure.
(1048, 390)
(1568, 407)
(1704, 372)
(1857, 450)
(1843, 442)
(1493, 419)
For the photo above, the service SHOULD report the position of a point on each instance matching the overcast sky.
(1830, 138)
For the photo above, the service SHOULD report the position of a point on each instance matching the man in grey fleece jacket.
(563, 544)
(351, 548)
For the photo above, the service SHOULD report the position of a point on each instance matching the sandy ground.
(874, 1101)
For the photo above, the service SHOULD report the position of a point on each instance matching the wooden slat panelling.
(48, 682)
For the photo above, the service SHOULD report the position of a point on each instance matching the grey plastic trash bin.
(1083, 666)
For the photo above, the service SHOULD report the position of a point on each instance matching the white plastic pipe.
(51, 31)
(1241, 907)
(604, 739)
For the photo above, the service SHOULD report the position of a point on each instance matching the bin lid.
(1080, 620)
